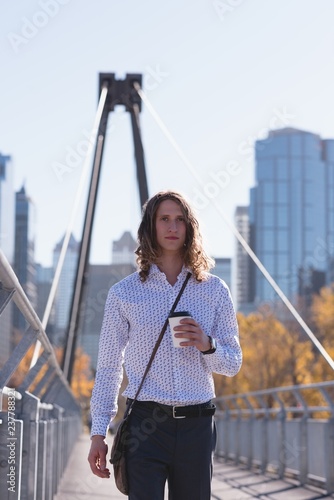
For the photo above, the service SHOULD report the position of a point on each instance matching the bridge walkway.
(229, 482)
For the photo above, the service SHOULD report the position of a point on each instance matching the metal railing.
(288, 431)
(40, 419)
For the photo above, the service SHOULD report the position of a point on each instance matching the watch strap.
(213, 347)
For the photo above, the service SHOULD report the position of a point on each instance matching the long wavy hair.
(148, 251)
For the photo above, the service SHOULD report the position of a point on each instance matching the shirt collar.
(155, 271)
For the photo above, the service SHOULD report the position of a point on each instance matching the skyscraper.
(64, 294)
(24, 264)
(242, 273)
(44, 278)
(7, 208)
(292, 213)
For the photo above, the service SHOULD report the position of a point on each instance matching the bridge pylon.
(113, 92)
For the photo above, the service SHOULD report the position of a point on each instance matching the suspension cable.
(233, 228)
(80, 190)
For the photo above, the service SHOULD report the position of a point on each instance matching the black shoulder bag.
(117, 454)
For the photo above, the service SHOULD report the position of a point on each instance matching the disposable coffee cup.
(174, 320)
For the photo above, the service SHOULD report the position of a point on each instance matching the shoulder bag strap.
(158, 342)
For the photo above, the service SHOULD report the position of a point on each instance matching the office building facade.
(243, 290)
(292, 214)
(44, 279)
(7, 225)
(63, 300)
(100, 279)
(24, 263)
(7, 207)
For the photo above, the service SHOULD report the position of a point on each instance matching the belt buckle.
(175, 416)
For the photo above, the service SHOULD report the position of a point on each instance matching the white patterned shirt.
(135, 312)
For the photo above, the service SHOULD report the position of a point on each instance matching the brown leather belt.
(202, 410)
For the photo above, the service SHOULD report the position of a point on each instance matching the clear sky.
(219, 73)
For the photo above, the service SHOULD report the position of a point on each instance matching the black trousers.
(179, 451)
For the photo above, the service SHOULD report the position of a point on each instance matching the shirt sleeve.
(109, 373)
(227, 359)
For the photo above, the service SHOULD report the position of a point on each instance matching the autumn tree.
(322, 314)
(273, 356)
(82, 379)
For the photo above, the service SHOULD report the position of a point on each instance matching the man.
(172, 434)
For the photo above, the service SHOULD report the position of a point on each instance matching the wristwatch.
(213, 346)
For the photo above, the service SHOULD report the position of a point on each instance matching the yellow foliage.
(82, 378)
(273, 356)
(322, 312)
(277, 354)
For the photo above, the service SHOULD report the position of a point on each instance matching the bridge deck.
(229, 482)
